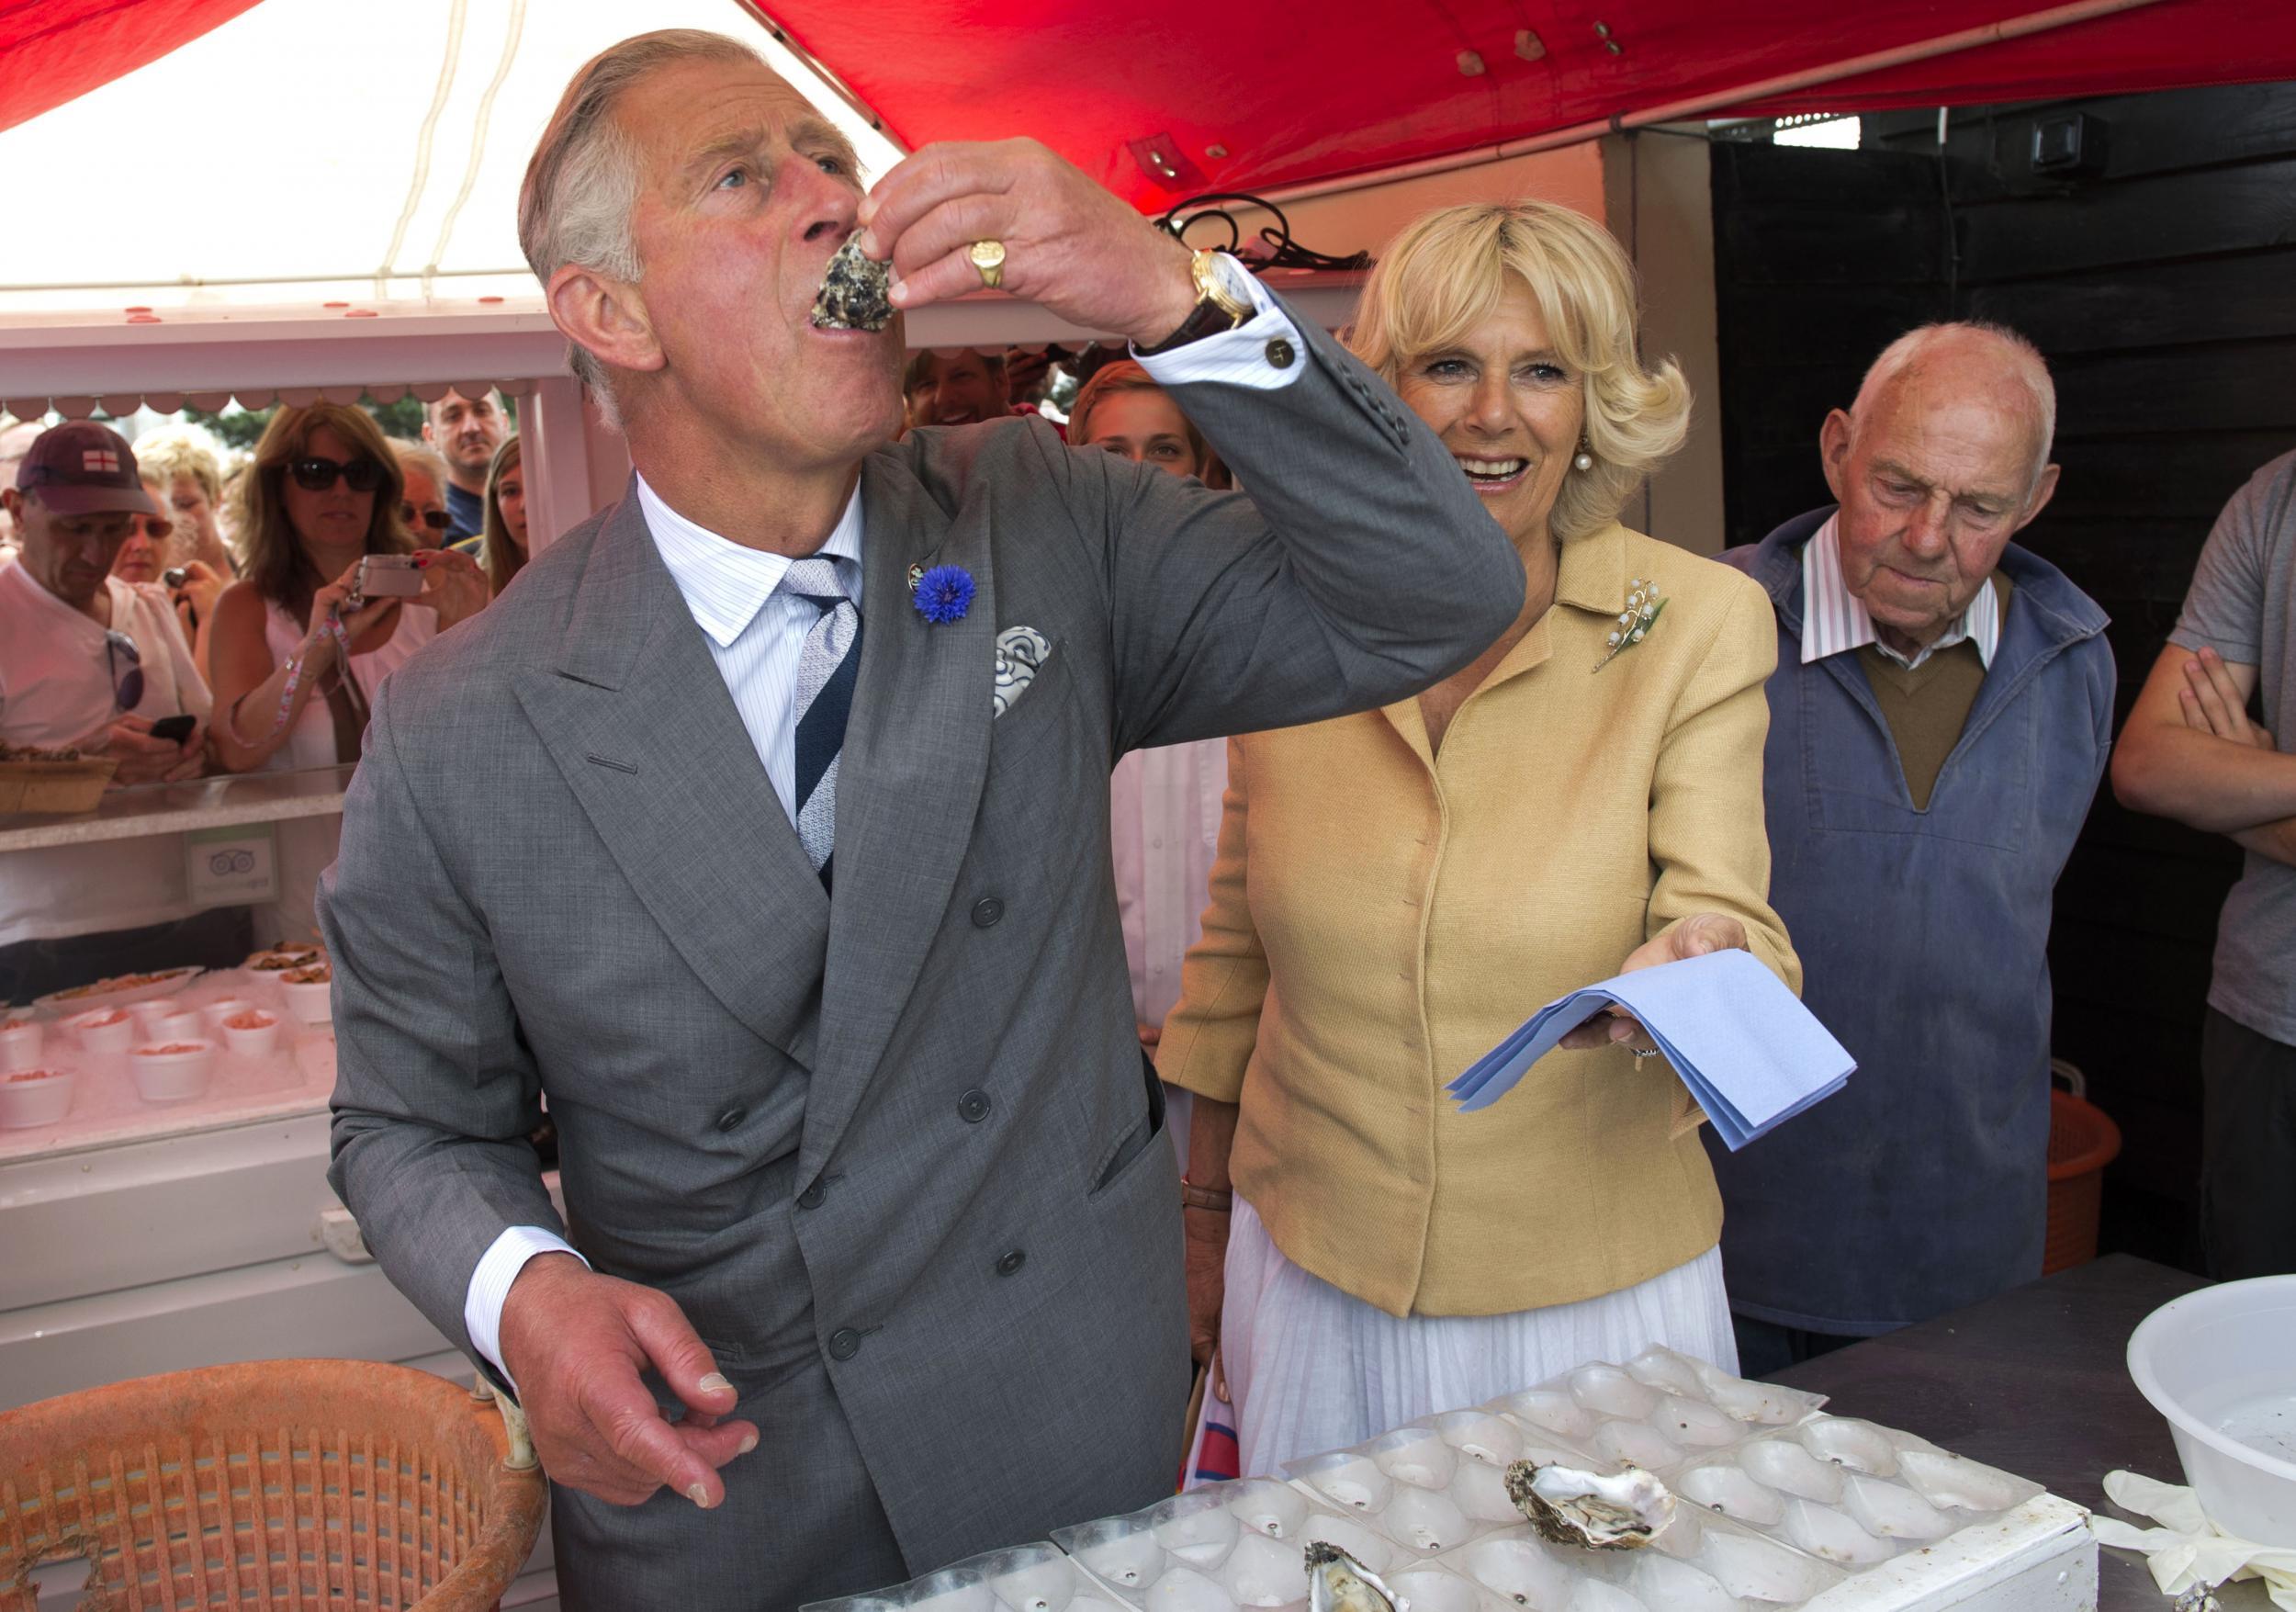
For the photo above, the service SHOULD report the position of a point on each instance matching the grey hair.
(582, 187)
(2025, 359)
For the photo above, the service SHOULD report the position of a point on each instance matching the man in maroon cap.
(90, 661)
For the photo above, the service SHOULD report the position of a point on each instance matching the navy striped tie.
(827, 670)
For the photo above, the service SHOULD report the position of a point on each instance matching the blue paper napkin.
(1747, 1050)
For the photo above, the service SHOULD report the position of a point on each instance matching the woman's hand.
(452, 584)
(1695, 936)
(1206, 1247)
(202, 584)
(319, 644)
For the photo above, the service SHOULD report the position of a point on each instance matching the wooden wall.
(2162, 286)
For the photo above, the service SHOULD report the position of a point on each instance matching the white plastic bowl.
(20, 1044)
(257, 1042)
(149, 1014)
(2221, 1366)
(173, 1077)
(25, 1102)
(101, 1039)
(216, 1012)
(313, 1004)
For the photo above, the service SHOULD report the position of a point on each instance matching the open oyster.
(1338, 1583)
(854, 292)
(1623, 1512)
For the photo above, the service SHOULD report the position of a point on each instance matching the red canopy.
(1235, 93)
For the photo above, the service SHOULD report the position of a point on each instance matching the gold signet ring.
(988, 261)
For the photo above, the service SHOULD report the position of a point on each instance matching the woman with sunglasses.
(423, 506)
(297, 657)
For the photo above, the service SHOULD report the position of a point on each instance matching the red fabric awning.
(1250, 94)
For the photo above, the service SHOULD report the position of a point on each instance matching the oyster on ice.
(1622, 1512)
(854, 292)
(1338, 1583)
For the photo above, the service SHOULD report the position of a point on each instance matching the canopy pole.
(1991, 33)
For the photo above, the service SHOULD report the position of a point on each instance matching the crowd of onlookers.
(1871, 738)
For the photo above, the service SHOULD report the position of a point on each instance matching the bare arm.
(2209, 773)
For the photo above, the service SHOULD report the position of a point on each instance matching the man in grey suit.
(762, 827)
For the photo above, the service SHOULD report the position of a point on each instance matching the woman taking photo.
(1398, 890)
(296, 659)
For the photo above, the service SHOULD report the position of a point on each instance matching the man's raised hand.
(1069, 244)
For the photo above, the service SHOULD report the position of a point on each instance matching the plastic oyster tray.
(1026, 1578)
(1780, 1506)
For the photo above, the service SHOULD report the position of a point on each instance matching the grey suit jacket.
(826, 1126)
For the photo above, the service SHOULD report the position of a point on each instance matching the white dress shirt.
(1834, 620)
(757, 635)
(1163, 821)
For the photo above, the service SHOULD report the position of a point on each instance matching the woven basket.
(306, 1484)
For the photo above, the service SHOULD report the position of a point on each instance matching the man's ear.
(607, 318)
(11, 501)
(2044, 491)
(1833, 450)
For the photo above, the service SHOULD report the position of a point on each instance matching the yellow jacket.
(1381, 916)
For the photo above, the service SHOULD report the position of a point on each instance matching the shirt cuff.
(1241, 356)
(490, 1285)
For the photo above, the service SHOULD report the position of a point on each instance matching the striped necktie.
(827, 670)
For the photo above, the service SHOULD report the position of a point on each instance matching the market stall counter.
(2035, 1382)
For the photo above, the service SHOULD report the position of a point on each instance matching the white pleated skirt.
(1311, 1369)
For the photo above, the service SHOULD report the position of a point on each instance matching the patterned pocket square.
(1020, 654)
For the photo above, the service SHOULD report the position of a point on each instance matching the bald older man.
(1939, 721)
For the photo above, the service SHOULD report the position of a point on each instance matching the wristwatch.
(1223, 300)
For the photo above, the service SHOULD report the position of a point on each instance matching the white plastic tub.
(21, 1041)
(164, 1075)
(34, 1097)
(2221, 1366)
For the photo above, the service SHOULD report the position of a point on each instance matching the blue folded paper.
(1747, 1050)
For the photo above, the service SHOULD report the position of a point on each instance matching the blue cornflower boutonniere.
(1640, 614)
(943, 593)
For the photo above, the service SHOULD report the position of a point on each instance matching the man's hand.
(2211, 702)
(1206, 1266)
(1695, 936)
(1069, 244)
(145, 760)
(575, 1342)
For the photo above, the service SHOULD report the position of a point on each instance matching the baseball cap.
(83, 469)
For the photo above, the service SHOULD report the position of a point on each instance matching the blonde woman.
(502, 539)
(296, 658)
(1396, 891)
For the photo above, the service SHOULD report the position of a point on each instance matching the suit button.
(844, 1344)
(811, 1197)
(973, 1107)
(1012, 1261)
(986, 912)
(732, 1118)
(1279, 352)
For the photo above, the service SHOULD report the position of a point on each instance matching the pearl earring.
(1585, 461)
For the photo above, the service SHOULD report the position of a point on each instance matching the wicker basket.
(305, 1484)
(55, 786)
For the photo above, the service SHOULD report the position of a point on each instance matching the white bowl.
(2221, 1366)
(184, 1024)
(21, 1041)
(173, 1077)
(257, 1042)
(313, 1004)
(149, 1014)
(34, 1097)
(216, 1012)
(100, 1038)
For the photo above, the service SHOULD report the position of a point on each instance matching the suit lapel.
(909, 782)
(641, 726)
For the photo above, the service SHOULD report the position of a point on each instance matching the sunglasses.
(436, 520)
(315, 473)
(127, 686)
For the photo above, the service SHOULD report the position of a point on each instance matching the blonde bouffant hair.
(1446, 274)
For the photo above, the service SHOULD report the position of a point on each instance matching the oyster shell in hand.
(1622, 1512)
(1338, 1583)
(854, 292)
